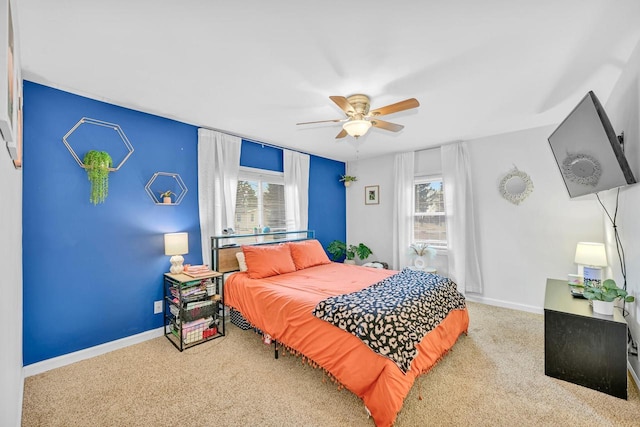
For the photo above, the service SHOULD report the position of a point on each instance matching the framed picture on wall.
(9, 80)
(372, 195)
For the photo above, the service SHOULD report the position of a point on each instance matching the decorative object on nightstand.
(603, 296)
(421, 251)
(176, 245)
(591, 257)
(338, 249)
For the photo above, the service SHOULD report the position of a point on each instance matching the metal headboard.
(225, 247)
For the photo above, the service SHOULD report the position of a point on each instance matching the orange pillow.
(268, 260)
(308, 253)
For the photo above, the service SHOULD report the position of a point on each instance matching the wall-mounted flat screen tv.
(588, 152)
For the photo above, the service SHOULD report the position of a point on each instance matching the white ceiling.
(255, 68)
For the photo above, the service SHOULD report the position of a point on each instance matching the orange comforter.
(282, 307)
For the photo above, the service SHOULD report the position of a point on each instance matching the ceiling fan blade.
(343, 103)
(394, 108)
(342, 134)
(393, 127)
(321, 121)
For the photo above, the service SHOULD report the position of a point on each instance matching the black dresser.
(581, 346)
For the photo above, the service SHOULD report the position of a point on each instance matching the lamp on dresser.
(176, 245)
(591, 257)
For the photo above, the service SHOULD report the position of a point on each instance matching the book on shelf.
(192, 305)
(198, 273)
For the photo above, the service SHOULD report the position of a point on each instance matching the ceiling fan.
(360, 118)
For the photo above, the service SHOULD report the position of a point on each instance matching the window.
(429, 221)
(259, 200)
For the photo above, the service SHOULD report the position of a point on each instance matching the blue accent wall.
(327, 200)
(259, 156)
(91, 273)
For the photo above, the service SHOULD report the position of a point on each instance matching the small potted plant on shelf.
(603, 296)
(348, 179)
(97, 164)
(339, 249)
(166, 197)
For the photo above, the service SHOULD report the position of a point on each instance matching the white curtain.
(296, 190)
(218, 165)
(403, 211)
(464, 264)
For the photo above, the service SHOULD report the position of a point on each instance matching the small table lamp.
(176, 245)
(591, 257)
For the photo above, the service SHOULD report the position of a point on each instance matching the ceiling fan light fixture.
(356, 128)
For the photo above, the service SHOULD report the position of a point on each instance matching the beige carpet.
(494, 376)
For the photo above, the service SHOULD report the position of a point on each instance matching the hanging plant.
(97, 164)
(348, 179)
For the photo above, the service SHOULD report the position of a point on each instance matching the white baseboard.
(634, 374)
(505, 304)
(87, 353)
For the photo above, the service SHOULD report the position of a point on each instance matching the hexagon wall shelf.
(167, 177)
(83, 124)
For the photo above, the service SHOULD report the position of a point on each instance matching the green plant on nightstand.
(339, 249)
(608, 292)
(97, 164)
(603, 296)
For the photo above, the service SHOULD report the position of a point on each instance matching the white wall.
(371, 224)
(623, 110)
(11, 377)
(521, 246)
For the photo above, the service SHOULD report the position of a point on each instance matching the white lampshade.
(591, 254)
(176, 243)
(356, 128)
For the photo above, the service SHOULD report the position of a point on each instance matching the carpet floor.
(494, 376)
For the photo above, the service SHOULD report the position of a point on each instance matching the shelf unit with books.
(193, 308)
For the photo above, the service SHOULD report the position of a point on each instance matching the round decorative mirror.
(582, 169)
(516, 186)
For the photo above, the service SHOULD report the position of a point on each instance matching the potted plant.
(166, 197)
(421, 251)
(361, 250)
(339, 249)
(97, 164)
(348, 179)
(605, 295)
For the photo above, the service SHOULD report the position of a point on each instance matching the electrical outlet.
(157, 307)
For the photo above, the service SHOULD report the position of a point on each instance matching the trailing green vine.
(97, 164)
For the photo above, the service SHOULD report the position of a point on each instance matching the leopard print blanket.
(394, 315)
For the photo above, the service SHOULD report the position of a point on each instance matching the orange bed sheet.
(282, 307)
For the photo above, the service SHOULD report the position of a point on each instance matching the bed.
(282, 299)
